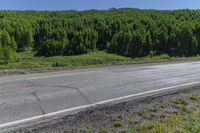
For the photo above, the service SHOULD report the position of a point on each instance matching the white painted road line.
(24, 121)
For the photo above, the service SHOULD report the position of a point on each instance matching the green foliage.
(127, 32)
(82, 42)
(26, 59)
(7, 47)
(180, 101)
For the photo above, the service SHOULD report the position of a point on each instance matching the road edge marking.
(31, 119)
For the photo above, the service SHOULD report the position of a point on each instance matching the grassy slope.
(27, 60)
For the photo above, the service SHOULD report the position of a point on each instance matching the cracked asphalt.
(25, 96)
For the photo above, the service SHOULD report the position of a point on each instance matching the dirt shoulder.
(174, 112)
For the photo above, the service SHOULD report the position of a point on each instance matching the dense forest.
(127, 32)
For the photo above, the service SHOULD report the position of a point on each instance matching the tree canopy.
(128, 32)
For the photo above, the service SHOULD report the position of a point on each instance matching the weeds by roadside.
(177, 115)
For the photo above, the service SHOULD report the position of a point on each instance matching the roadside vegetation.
(183, 116)
(27, 60)
(131, 33)
(180, 114)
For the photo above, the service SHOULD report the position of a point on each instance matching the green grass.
(183, 117)
(27, 60)
(116, 122)
(179, 115)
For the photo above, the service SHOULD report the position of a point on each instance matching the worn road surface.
(26, 96)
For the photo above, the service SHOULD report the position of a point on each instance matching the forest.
(127, 32)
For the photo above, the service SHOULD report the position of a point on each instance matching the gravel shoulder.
(171, 112)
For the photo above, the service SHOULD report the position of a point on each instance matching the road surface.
(30, 95)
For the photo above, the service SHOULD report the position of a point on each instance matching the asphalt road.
(26, 96)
